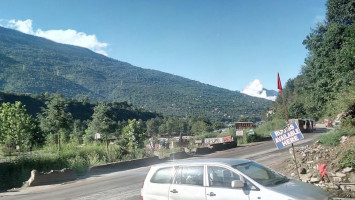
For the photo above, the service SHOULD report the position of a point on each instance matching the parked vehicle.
(223, 179)
(336, 123)
(328, 123)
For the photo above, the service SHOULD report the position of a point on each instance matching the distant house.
(244, 125)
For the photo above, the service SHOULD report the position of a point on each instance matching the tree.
(134, 135)
(171, 126)
(102, 122)
(329, 69)
(153, 126)
(296, 110)
(16, 126)
(182, 128)
(199, 127)
(55, 118)
(341, 11)
(77, 131)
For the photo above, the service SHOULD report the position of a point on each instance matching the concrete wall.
(58, 176)
(52, 177)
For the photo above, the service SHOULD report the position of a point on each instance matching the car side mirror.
(237, 184)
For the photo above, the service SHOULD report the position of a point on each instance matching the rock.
(310, 162)
(304, 178)
(336, 179)
(347, 169)
(302, 171)
(313, 180)
(332, 186)
(32, 178)
(293, 174)
(351, 177)
(339, 174)
(343, 139)
(342, 187)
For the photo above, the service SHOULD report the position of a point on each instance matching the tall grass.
(206, 135)
(268, 127)
(332, 138)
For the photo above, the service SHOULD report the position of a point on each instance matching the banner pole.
(286, 116)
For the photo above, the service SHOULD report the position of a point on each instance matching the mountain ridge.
(30, 64)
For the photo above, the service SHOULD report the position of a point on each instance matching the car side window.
(189, 175)
(221, 177)
(163, 175)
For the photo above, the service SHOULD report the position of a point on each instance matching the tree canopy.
(329, 71)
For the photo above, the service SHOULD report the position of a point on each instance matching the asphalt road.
(126, 184)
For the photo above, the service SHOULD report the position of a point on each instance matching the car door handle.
(174, 191)
(211, 194)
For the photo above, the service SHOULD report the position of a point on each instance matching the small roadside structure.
(305, 125)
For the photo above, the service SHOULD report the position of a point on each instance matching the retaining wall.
(52, 177)
(58, 176)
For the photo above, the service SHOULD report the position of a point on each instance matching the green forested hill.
(30, 64)
(79, 109)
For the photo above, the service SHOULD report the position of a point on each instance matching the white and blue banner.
(289, 135)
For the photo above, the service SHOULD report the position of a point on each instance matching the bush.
(206, 135)
(79, 164)
(333, 137)
(348, 158)
(94, 159)
(137, 154)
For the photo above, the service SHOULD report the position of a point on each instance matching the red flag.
(279, 86)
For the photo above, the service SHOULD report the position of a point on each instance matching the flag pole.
(279, 86)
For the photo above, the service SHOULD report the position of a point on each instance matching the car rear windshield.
(163, 175)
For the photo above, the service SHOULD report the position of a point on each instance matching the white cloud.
(256, 89)
(68, 36)
(23, 26)
(74, 38)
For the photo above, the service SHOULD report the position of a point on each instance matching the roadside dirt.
(338, 183)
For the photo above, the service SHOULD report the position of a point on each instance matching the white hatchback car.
(223, 179)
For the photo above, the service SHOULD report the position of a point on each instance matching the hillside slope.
(79, 109)
(30, 64)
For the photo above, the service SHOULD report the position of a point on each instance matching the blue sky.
(225, 43)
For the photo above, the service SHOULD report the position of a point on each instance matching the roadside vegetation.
(55, 139)
(333, 138)
(265, 129)
(325, 87)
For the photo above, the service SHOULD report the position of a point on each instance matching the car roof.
(225, 161)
